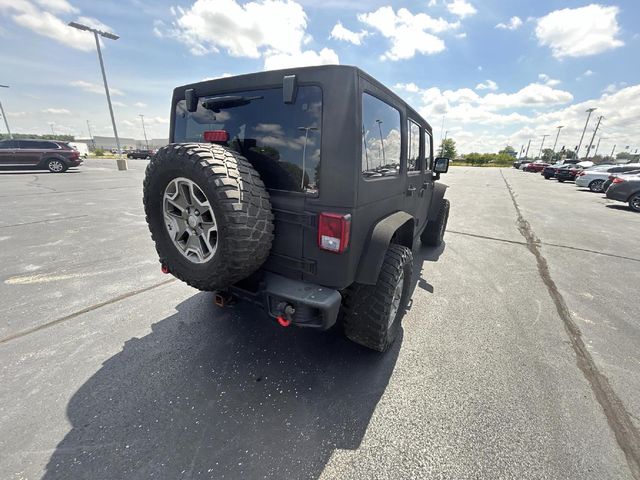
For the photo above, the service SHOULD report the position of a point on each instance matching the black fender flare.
(373, 254)
(439, 190)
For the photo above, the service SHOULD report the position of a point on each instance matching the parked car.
(550, 170)
(613, 176)
(53, 155)
(250, 216)
(141, 153)
(626, 188)
(81, 147)
(519, 162)
(535, 167)
(594, 178)
(567, 173)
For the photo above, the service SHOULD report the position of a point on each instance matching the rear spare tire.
(209, 214)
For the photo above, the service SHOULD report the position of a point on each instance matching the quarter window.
(381, 139)
(413, 154)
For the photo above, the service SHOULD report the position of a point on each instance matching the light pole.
(542, 145)
(93, 142)
(559, 127)
(4, 115)
(145, 131)
(304, 151)
(594, 136)
(526, 155)
(122, 162)
(384, 158)
(52, 131)
(589, 111)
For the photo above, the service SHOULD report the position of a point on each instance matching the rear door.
(28, 153)
(418, 189)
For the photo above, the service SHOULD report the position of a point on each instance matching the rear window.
(282, 141)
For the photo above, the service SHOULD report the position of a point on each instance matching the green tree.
(509, 150)
(448, 148)
(547, 154)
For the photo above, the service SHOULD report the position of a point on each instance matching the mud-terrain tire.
(433, 233)
(242, 214)
(371, 314)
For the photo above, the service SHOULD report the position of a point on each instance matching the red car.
(535, 167)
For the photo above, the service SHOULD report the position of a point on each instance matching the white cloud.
(339, 32)
(140, 105)
(588, 73)
(118, 104)
(276, 61)
(274, 30)
(409, 33)
(58, 6)
(488, 85)
(579, 32)
(547, 80)
(461, 8)
(432, 3)
(95, 87)
(533, 94)
(46, 23)
(461, 35)
(57, 111)
(407, 87)
(514, 24)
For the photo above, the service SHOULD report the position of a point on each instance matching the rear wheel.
(56, 166)
(634, 202)
(371, 314)
(596, 186)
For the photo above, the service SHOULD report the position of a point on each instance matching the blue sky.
(498, 71)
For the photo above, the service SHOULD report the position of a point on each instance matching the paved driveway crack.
(617, 416)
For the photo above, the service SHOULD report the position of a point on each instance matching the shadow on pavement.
(620, 206)
(33, 172)
(420, 256)
(222, 394)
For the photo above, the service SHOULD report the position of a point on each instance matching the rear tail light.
(618, 180)
(333, 232)
(579, 174)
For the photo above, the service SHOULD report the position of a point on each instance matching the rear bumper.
(314, 306)
(615, 194)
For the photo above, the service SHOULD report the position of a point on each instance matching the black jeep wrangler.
(302, 190)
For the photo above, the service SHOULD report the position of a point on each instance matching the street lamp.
(559, 127)
(144, 131)
(4, 115)
(589, 111)
(384, 159)
(122, 162)
(304, 151)
(52, 131)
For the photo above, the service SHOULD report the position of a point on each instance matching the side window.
(428, 152)
(381, 139)
(24, 144)
(413, 152)
(7, 144)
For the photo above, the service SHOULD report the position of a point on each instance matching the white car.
(594, 178)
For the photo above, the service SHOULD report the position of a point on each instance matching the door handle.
(411, 190)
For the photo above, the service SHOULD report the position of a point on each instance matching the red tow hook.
(164, 269)
(283, 321)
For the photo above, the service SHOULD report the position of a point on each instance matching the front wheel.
(433, 233)
(634, 202)
(371, 314)
(56, 166)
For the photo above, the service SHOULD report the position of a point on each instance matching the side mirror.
(441, 165)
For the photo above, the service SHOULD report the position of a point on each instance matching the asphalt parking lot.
(519, 356)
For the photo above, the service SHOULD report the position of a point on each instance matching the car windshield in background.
(281, 140)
